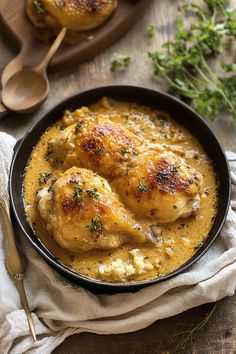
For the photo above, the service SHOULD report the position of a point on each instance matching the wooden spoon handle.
(3, 110)
(13, 66)
(56, 44)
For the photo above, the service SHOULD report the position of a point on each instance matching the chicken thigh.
(82, 213)
(96, 143)
(76, 15)
(161, 186)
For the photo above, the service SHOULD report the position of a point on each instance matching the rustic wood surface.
(219, 337)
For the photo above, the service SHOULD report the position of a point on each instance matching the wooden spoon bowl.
(25, 91)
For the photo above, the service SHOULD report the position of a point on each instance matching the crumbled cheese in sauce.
(120, 270)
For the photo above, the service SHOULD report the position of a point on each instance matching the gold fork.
(15, 262)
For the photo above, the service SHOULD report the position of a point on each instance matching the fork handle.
(14, 260)
(20, 286)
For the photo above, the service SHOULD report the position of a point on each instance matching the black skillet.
(159, 100)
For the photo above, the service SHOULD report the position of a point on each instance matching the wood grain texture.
(219, 337)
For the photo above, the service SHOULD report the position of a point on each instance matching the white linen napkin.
(62, 309)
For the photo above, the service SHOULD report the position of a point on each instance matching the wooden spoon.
(3, 109)
(28, 88)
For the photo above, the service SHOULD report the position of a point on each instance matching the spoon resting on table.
(28, 88)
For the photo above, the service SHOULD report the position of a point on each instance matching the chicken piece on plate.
(96, 143)
(76, 15)
(162, 186)
(83, 213)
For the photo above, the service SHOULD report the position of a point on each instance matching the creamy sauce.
(181, 238)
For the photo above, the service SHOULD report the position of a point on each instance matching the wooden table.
(219, 337)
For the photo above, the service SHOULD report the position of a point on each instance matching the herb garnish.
(142, 187)
(50, 189)
(120, 62)
(78, 196)
(44, 177)
(183, 338)
(184, 61)
(151, 31)
(174, 169)
(38, 5)
(125, 151)
(101, 149)
(60, 3)
(78, 126)
(96, 226)
(93, 193)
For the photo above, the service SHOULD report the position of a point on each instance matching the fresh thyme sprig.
(78, 127)
(93, 193)
(101, 150)
(78, 194)
(46, 177)
(96, 226)
(38, 6)
(182, 339)
(183, 62)
(142, 187)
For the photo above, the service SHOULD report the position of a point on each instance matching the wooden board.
(23, 33)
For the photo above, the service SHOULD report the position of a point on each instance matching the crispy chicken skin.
(155, 184)
(82, 213)
(161, 186)
(76, 15)
(96, 143)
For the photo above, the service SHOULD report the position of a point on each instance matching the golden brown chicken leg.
(82, 213)
(162, 187)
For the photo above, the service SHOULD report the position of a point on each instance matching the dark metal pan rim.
(128, 93)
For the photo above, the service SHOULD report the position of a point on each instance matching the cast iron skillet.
(179, 111)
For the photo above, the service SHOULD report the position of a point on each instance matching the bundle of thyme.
(184, 62)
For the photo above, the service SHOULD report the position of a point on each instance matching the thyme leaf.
(96, 226)
(120, 62)
(44, 177)
(78, 127)
(93, 193)
(101, 150)
(142, 187)
(38, 5)
(151, 31)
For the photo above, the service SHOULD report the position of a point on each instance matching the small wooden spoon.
(3, 109)
(28, 88)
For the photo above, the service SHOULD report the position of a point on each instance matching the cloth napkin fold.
(62, 309)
